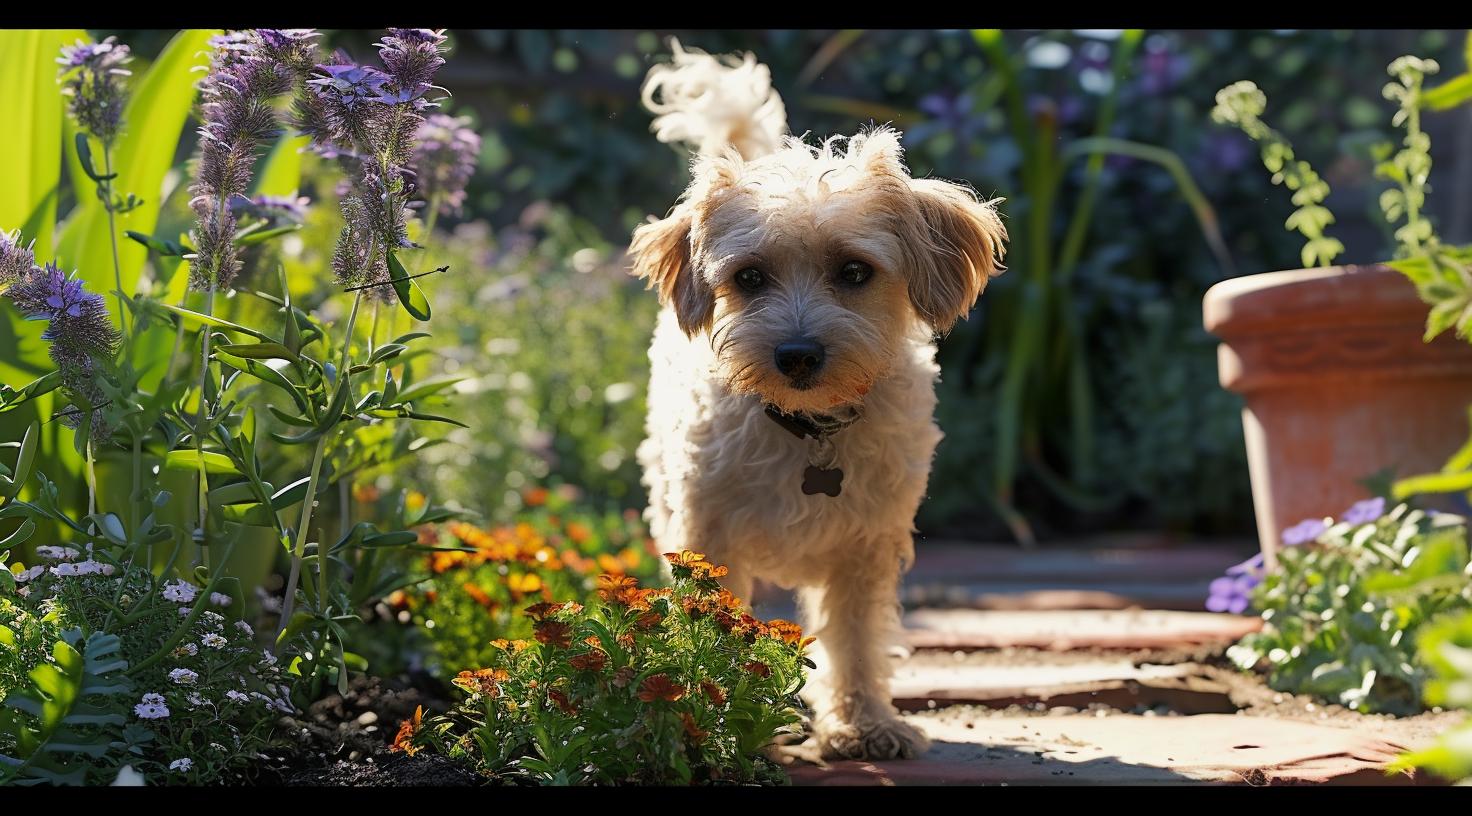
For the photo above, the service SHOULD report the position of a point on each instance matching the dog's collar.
(816, 426)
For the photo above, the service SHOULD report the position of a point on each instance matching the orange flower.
(609, 564)
(523, 584)
(617, 588)
(589, 661)
(729, 601)
(716, 694)
(631, 557)
(510, 645)
(562, 702)
(758, 668)
(398, 599)
(692, 731)
(404, 740)
(479, 595)
(683, 558)
(482, 681)
(415, 501)
(660, 687)
(365, 493)
(592, 640)
(649, 620)
(786, 631)
(580, 533)
(535, 497)
(542, 610)
(572, 607)
(623, 676)
(626, 640)
(554, 633)
(701, 570)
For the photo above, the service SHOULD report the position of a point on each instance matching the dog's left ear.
(957, 246)
(661, 253)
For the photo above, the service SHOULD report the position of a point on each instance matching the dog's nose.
(800, 358)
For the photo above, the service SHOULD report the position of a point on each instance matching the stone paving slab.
(1072, 629)
(983, 683)
(1125, 750)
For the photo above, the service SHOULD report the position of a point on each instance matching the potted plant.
(1339, 378)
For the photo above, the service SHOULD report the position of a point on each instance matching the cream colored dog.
(790, 424)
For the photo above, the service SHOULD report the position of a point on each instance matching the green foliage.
(1242, 104)
(1445, 646)
(645, 686)
(52, 722)
(1342, 613)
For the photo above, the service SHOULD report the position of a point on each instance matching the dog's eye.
(750, 279)
(855, 272)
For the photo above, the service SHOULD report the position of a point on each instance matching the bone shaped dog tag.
(828, 481)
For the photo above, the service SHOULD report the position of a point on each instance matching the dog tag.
(828, 481)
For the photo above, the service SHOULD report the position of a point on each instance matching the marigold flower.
(562, 702)
(479, 595)
(715, 693)
(592, 661)
(404, 740)
(696, 735)
(554, 633)
(592, 640)
(626, 640)
(758, 668)
(616, 588)
(535, 497)
(683, 558)
(785, 631)
(649, 620)
(542, 610)
(365, 493)
(482, 681)
(660, 687)
(579, 533)
(510, 645)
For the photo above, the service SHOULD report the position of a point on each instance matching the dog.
(790, 425)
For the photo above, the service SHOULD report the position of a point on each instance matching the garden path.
(1091, 663)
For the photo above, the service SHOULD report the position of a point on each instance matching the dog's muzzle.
(800, 360)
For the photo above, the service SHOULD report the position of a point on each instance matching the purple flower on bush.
(92, 78)
(444, 160)
(1231, 594)
(248, 71)
(1303, 532)
(79, 329)
(1364, 512)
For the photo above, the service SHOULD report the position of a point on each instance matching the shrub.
(1342, 611)
(478, 579)
(650, 686)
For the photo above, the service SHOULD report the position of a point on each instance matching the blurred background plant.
(554, 351)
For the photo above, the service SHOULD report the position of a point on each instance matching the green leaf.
(216, 463)
(264, 235)
(163, 247)
(1433, 483)
(195, 320)
(11, 398)
(410, 295)
(10, 486)
(261, 351)
(425, 389)
(1449, 94)
(84, 157)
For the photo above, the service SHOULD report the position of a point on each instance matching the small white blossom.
(213, 641)
(268, 658)
(65, 570)
(237, 696)
(57, 553)
(244, 627)
(184, 611)
(183, 764)
(27, 575)
(190, 649)
(152, 707)
(180, 592)
(195, 700)
(221, 599)
(184, 677)
(214, 619)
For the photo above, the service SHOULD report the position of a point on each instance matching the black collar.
(815, 425)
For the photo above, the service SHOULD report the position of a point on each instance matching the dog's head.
(810, 267)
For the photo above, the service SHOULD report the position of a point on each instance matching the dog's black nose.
(800, 358)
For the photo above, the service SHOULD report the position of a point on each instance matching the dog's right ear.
(661, 254)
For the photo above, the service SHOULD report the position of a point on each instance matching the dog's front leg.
(856, 617)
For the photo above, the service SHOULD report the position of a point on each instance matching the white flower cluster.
(180, 591)
(184, 677)
(221, 599)
(151, 708)
(183, 764)
(54, 553)
(88, 567)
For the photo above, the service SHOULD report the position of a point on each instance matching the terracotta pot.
(1338, 385)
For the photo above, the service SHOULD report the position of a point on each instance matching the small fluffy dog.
(791, 398)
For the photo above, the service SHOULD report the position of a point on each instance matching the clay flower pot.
(1338, 385)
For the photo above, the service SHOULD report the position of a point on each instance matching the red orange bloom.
(562, 702)
(554, 633)
(758, 668)
(693, 731)
(786, 631)
(404, 740)
(660, 687)
(716, 694)
(589, 661)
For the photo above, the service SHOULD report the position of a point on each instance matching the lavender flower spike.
(1364, 512)
(80, 331)
(91, 73)
(445, 159)
(248, 70)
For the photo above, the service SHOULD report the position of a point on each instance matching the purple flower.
(92, 76)
(1364, 512)
(1231, 594)
(79, 329)
(1303, 532)
(248, 71)
(16, 261)
(444, 160)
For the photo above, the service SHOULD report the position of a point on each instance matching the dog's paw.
(886, 737)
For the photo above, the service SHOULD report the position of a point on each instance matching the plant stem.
(112, 233)
(91, 476)
(204, 373)
(289, 602)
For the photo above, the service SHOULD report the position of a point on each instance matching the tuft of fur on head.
(799, 215)
(709, 103)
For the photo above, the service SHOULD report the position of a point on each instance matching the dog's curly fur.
(723, 478)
